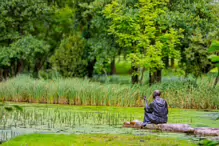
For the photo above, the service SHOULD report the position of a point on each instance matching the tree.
(215, 58)
(101, 47)
(61, 25)
(19, 21)
(4, 63)
(197, 55)
(26, 54)
(137, 30)
(69, 58)
(21, 17)
(198, 19)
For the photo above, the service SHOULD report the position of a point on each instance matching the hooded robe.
(156, 112)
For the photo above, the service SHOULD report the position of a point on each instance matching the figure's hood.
(159, 101)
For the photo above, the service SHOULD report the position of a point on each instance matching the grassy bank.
(91, 140)
(179, 93)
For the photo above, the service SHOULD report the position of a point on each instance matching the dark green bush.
(69, 59)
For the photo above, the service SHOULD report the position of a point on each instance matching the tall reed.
(179, 93)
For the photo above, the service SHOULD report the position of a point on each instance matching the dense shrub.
(69, 59)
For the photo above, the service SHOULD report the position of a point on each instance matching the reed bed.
(179, 93)
(61, 120)
(38, 120)
(49, 119)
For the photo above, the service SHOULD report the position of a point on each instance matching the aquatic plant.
(179, 93)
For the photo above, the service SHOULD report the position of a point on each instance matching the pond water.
(50, 119)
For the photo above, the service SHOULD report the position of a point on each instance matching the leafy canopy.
(138, 32)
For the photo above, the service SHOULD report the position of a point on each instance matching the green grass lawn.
(94, 140)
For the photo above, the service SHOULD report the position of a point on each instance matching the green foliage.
(123, 66)
(147, 33)
(69, 58)
(29, 49)
(60, 24)
(23, 24)
(199, 20)
(197, 54)
(4, 57)
(215, 58)
(208, 143)
(26, 52)
(64, 20)
(215, 49)
(20, 17)
(100, 46)
(136, 29)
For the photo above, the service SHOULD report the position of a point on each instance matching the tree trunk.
(35, 71)
(113, 67)
(155, 77)
(172, 62)
(142, 76)
(4, 76)
(20, 66)
(182, 128)
(166, 61)
(39, 64)
(134, 75)
(90, 68)
(1, 75)
(13, 71)
(178, 128)
(6, 73)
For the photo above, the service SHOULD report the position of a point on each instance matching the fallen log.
(206, 131)
(181, 128)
